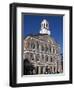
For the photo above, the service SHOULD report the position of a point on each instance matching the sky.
(31, 25)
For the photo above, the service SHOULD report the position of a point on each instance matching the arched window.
(46, 25)
(26, 44)
(50, 49)
(42, 48)
(37, 57)
(51, 59)
(26, 55)
(42, 25)
(46, 58)
(37, 45)
(46, 48)
(31, 56)
(53, 50)
(46, 69)
(33, 45)
(42, 57)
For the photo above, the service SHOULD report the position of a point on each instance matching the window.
(46, 58)
(37, 45)
(50, 49)
(46, 69)
(50, 59)
(31, 56)
(42, 58)
(46, 25)
(53, 50)
(42, 48)
(26, 55)
(42, 25)
(26, 44)
(46, 48)
(32, 45)
(41, 70)
(37, 70)
(37, 57)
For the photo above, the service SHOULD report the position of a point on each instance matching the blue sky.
(31, 25)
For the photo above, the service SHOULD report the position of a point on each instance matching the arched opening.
(27, 67)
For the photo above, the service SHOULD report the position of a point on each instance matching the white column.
(44, 59)
(48, 58)
(44, 69)
(40, 58)
(51, 49)
(53, 68)
(39, 69)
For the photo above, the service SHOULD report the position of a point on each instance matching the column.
(44, 59)
(51, 49)
(55, 65)
(34, 57)
(49, 59)
(40, 57)
(44, 68)
(39, 69)
(59, 68)
(52, 68)
(55, 69)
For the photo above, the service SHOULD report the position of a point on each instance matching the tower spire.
(45, 27)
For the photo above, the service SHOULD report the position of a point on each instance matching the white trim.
(43, 78)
